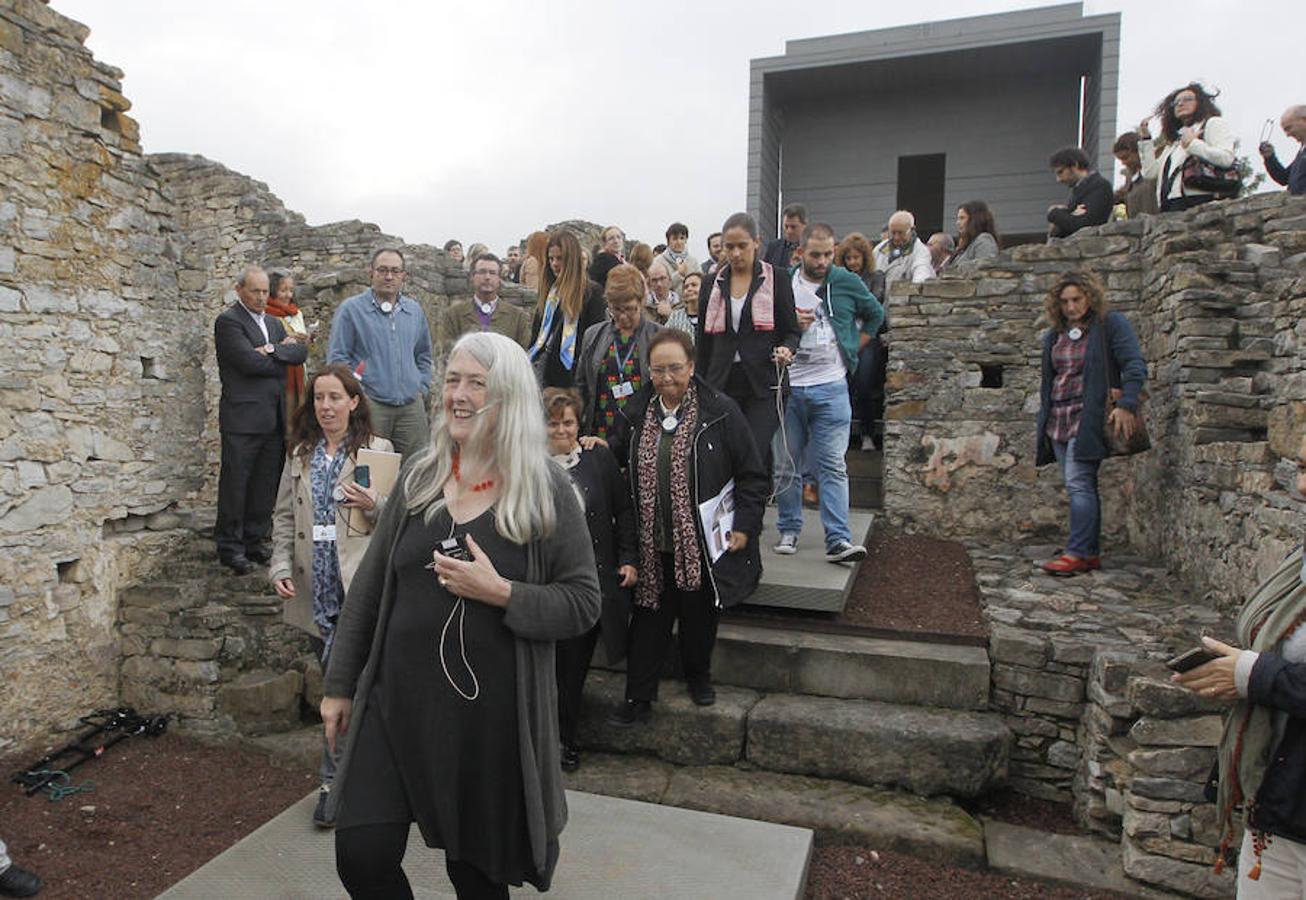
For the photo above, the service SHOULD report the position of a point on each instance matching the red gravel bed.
(847, 871)
(1018, 809)
(163, 807)
(909, 585)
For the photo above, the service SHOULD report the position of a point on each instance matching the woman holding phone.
(314, 549)
(442, 679)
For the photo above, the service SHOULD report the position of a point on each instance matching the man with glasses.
(384, 337)
(484, 312)
(661, 299)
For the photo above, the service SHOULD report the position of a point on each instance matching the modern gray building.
(925, 117)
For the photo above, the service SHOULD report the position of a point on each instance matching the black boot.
(630, 712)
(16, 882)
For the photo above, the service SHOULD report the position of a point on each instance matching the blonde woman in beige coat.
(315, 549)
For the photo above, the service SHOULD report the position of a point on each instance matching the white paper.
(717, 515)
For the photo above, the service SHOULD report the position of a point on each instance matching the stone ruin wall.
(113, 266)
(1217, 296)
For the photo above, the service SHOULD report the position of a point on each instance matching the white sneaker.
(845, 552)
(788, 545)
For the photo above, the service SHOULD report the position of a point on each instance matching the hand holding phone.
(1191, 659)
(363, 476)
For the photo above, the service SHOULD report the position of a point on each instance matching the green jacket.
(847, 299)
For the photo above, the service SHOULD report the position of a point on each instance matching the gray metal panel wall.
(765, 126)
(841, 153)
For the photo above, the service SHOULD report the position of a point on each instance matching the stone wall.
(113, 266)
(96, 444)
(1216, 295)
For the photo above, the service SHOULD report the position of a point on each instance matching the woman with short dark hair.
(610, 517)
(1193, 128)
(688, 444)
(1088, 352)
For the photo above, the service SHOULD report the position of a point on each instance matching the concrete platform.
(611, 848)
(805, 580)
(851, 666)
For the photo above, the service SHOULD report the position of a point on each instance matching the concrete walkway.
(611, 848)
(805, 580)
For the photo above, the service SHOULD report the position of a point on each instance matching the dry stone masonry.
(113, 265)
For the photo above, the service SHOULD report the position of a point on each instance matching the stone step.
(838, 810)
(927, 751)
(852, 667)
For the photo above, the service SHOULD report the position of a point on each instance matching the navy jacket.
(1093, 192)
(1125, 368)
(1294, 175)
(1280, 806)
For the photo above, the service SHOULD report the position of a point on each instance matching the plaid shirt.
(1067, 387)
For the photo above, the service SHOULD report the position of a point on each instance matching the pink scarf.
(763, 305)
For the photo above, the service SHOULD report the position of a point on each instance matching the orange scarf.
(294, 374)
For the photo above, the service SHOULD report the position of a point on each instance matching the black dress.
(434, 756)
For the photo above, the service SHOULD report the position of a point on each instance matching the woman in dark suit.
(747, 331)
(569, 304)
(611, 519)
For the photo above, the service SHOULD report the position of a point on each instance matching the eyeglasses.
(1183, 98)
(383, 271)
(663, 371)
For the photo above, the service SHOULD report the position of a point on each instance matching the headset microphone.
(477, 412)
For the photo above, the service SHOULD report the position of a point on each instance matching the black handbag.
(1200, 175)
(1117, 444)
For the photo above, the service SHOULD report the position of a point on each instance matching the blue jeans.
(816, 426)
(1080, 477)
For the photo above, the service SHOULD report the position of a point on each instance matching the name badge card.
(324, 534)
(623, 390)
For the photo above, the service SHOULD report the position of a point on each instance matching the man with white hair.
(941, 246)
(1293, 123)
(902, 256)
(661, 299)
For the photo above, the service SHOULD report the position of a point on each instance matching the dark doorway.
(920, 190)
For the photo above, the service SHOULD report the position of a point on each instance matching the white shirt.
(736, 313)
(260, 321)
(818, 360)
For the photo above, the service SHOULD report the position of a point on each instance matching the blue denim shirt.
(396, 347)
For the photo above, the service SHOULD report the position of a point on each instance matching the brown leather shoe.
(1067, 565)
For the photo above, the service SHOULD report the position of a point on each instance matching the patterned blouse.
(620, 364)
(1067, 387)
(328, 590)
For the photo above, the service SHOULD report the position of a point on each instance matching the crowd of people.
(651, 401)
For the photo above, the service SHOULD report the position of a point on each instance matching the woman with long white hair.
(442, 675)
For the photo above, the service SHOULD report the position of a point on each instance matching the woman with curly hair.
(1088, 351)
(856, 254)
(1192, 127)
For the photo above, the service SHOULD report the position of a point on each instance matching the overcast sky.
(487, 119)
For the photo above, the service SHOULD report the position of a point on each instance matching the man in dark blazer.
(253, 353)
(1091, 195)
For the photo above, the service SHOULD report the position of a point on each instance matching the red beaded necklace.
(475, 488)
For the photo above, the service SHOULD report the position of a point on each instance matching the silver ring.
(443, 582)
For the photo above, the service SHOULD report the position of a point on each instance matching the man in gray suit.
(253, 352)
(486, 311)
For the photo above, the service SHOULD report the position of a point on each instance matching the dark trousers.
(868, 385)
(247, 491)
(650, 633)
(369, 861)
(760, 412)
(572, 664)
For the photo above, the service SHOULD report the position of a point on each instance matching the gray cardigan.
(983, 247)
(560, 599)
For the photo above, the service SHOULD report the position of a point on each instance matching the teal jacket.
(847, 299)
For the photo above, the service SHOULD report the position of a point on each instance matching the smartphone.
(455, 548)
(1191, 659)
(363, 476)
